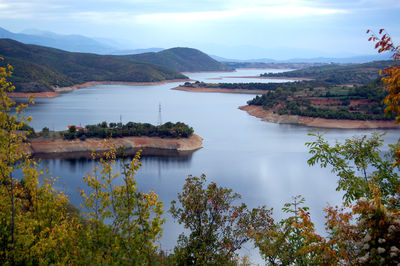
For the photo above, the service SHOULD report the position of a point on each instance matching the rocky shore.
(61, 148)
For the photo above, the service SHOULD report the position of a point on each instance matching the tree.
(124, 222)
(391, 75)
(45, 132)
(10, 153)
(284, 242)
(37, 224)
(358, 162)
(218, 228)
(367, 233)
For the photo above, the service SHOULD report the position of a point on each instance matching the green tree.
(45, 132)
(358, 162)
(72, 129)
(283, 244)
(124, 222)
(218, 228)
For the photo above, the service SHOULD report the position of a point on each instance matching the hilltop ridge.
(181, 59)
(39, 69)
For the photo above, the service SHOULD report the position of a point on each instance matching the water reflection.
(172, 160)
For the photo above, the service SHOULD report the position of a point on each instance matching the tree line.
(292, 86)
(119, 130)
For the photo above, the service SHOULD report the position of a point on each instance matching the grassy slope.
(180, 59)
(38, 68)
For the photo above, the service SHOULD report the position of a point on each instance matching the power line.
(159, 115)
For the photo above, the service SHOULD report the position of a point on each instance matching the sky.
(239, 29)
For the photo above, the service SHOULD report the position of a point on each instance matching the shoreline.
(211, 71)
(58, 90)
(61, 148)
(259, 77)
(134, 83)
(45, 94)
(269, 116)
(218, 90)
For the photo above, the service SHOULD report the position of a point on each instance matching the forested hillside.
(39, 68)
(338, 74)
(180, 59)
(355, 103)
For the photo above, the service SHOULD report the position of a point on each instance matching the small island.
(167, 139)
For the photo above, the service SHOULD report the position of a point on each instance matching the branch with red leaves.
(384, 43)
(391, 75)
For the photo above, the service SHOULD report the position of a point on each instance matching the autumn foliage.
(391, 75)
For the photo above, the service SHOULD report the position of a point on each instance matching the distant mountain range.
(180, 59)
(344, 60)
(79, 43)
(38, 68)
(70, 43)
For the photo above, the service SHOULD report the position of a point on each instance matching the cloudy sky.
(229, 28)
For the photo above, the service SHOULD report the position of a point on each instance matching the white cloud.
(260, 12)
(186, 16)
(191, 12)
(27, 9)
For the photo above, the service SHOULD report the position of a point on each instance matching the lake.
(266, 163)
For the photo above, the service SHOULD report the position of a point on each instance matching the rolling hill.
(180, 59)
(39, 68)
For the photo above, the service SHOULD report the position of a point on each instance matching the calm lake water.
(266, 163)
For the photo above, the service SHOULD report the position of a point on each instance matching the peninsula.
(177, 138)
(327, 100)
